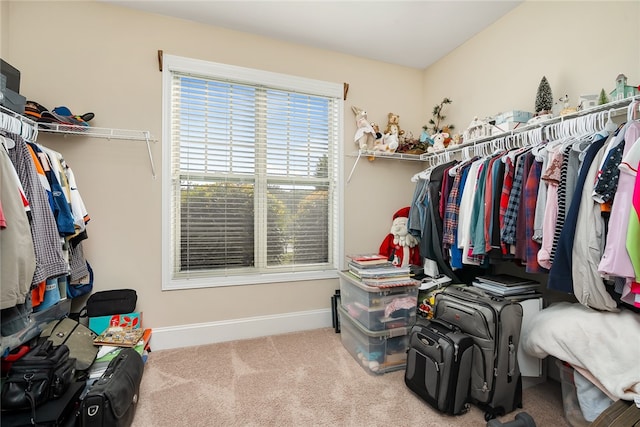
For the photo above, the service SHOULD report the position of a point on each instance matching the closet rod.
(621, 104)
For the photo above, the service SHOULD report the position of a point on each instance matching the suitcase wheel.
(491, 414)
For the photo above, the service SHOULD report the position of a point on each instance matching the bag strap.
(29, 395)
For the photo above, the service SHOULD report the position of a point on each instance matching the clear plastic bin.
(377, 352)
(572, 411)
(378, 309)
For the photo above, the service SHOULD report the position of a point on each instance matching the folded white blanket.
(606, 344)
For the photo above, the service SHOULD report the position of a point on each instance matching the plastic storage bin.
(572, 411)
(377, 352)
(379, 309)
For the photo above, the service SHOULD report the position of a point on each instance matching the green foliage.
(603, 99)
(311, 221)
(544, 97)
(322, 168)
(434, 125)
(217, 225)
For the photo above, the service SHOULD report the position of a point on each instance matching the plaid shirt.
(511, 214)
(50, 261)
(452, 208)
(451, 211)
(504, 197)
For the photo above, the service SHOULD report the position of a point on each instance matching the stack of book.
(376, 270)
(369, 260)
(110, 347)
(506, 285)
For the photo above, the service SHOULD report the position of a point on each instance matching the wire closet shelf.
(594, 118)
(17, 123)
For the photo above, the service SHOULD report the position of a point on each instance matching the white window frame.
(172, 64)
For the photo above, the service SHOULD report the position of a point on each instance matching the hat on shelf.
(33, 110)
(65, 116)
(60, 115)
(65, 112)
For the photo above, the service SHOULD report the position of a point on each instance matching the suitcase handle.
(426, 340)
(446, 324)
(512, 359)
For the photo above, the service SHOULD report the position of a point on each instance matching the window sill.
(215, 282)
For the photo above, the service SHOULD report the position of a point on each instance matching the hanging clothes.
(561, 273)
(17, 255)
(530, 247)
(615, 259)
(45, 236)
(431, 239)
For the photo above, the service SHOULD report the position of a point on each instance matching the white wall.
(97, 57)
(101, 58)
(580, 46)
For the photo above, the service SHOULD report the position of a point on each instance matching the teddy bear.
(392, 136)
(365, 135)
(400, 246)
(393, 125)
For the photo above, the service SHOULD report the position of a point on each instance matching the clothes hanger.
(467, 158)
(7, 142)
(631, 110)
(18, 125)
(425, 173)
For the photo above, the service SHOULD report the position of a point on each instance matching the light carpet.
(297, 379)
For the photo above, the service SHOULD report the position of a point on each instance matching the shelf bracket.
(147, 137)
(354, 166)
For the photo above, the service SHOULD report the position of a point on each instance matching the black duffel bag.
(44, 373)
(114, 301)
(111, 401)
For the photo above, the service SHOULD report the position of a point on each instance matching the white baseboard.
(236, 329)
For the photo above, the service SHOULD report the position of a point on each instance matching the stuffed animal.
(401, 247)
(393, 125)
(365, 133)
(392, 136)
(376, 129)
(425, 137)
(389, 142)
(438, 142)
(455, 140)
(447, 132)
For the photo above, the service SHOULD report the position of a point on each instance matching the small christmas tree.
(603, 98)
(434, 123)
(544, 97)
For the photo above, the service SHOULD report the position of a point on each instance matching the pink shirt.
(615, 260)
(552, 176)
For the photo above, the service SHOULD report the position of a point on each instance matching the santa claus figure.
(401, 247)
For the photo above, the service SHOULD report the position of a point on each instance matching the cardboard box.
(129, 320)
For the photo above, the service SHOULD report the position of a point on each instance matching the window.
(251, 176)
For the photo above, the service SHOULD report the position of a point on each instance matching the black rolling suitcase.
(494, 324)
(439, 366)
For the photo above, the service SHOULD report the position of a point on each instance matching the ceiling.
(409, 33)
